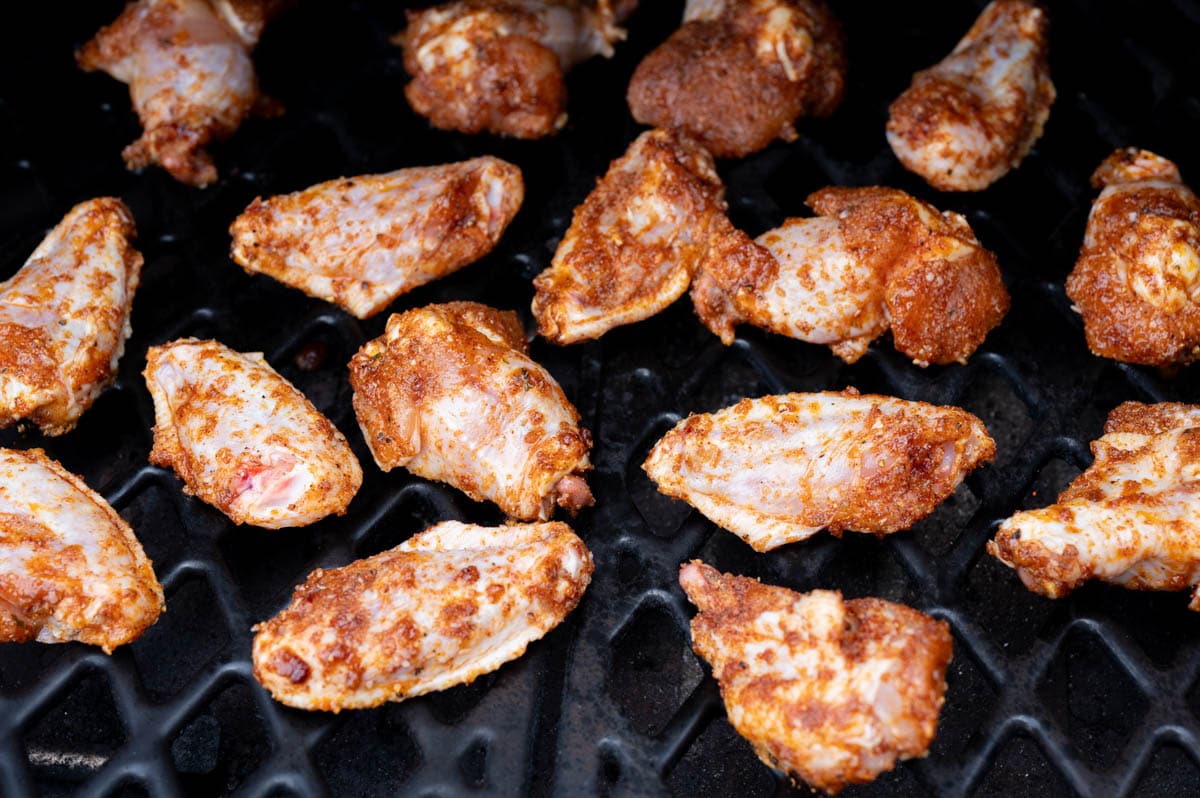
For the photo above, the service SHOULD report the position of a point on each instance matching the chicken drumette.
(187, 63)
(1137, 280)
(446, 606)
(363, 241)
(243, 439)
(738, 73)
(832, 692)
(635, 242)
(965, 122)
(64, 317)
(450, 393)
(778, 469)
(1132, 518)
(498, 65)
(873, 258)
(70, 567)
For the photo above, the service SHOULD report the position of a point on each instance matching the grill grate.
(1097, 694)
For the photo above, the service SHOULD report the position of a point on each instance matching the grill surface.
(1096, 694)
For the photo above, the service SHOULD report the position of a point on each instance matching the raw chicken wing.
(1137, 281)
(243, 439)
(778, 469)
(64, 317)
(635, 242)
(70, 567)
(873, 258)
(446, 606)
(1132, 518)
(972, 117)
(449, 393)
(499, 65)
(360, 242)
(831, 692)
(738, 73)
(187, 63)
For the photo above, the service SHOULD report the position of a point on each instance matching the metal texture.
(1094, 695)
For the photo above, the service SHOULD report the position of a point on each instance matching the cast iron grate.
(1097, 694)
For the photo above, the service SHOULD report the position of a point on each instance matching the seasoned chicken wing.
(243, 439)
(449, 393)
(499, 65)
(873, 258)
(360, 242)
(832, 692)
(778, 469)
(64, 317)
(969, 119)
(446, 606)
(189, 72)
(635, 242)
(70, 567)
(738, 73)
(1132, 518)
(1137, 280)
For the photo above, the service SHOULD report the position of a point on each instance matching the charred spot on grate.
(653, 669)
(1020, 767)
(221, 744)
(371, 754)
(1091, 698)
(720, 762)
(76, 736)
(1171, 772)
(188, 636)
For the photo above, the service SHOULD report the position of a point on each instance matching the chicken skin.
(70, 567)
(966, 121)
(64, 317)
(1131, 519)
(831, 692)
(635, 242)
(187, 63)
(498, 66)
(873, 258)
(779, 469)
(1137, 280)
(360, 242)
(446, 606)
(738, 73)
(243, 439)
(449, 393)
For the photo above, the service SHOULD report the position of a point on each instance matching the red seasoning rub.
(64, 317)
(831, 692)
(1131, 519)
(70, 567)
(360, 242)
(446, 606)
(738, 73)
(450, 393)
(1137, 280)
(966, 121)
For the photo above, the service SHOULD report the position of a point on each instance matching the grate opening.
(653, 669)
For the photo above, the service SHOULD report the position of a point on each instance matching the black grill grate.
(1097, 694)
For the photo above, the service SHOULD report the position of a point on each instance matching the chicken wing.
(189, 73)
(449, 393)
(873, 258)
(966, 121)
(1132, 518)
(738, 73)
(70, 567)
(499, 65)
(1137, 280)
(635, 242)
(778, 469)
(446, 606)
(360, 242)
(64, 317)
(243, 439)
(832, 692)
